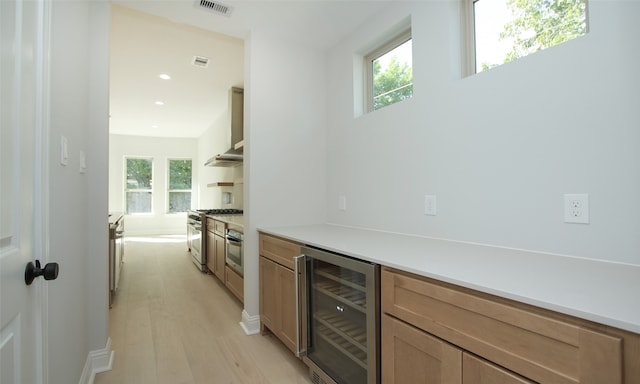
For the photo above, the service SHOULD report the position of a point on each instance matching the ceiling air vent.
(215, 7)
(200, 61)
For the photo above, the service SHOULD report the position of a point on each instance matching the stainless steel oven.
(339, 300)
(194, 240)
(234, 255)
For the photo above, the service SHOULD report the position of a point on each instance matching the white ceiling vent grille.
(200, 61)
(215, 7)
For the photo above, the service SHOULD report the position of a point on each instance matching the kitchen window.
(500, 31)
(179, 191)
(138, 185)
(389, 73)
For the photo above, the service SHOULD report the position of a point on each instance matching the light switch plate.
(64, 150)
(83, 162)
(430, 205)
(342, 203)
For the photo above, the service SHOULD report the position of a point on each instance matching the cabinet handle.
(299, 270)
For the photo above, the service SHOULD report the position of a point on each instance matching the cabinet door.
(210, 251)
(286, 293)
(268, 301)
(479, 371)
(532, 342)
(234, 283)
(219, 258)
(410, 355)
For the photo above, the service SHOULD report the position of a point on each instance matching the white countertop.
(230, 219)
(600, 291)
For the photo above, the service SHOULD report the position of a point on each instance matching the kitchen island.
(453, 290)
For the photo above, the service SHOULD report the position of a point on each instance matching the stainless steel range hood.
(231, 158)
(234, 156)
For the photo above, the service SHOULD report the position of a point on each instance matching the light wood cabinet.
(210, 246)
(219, 256)
(215, 247)
(216, 258)
(501, 341)
(410, 355)
(269, 302)
(277, 289)
(479, 371)
(234, 283)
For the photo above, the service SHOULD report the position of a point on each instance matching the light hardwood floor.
(172, 324)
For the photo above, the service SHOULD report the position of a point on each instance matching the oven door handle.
(300, 273)
(234, 240)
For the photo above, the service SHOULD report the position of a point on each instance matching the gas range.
(221, 211)
(197, 214)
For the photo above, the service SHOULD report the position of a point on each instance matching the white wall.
(216, 140)
(285, 145)
(499, 149)
(161, 150)
(76, 319)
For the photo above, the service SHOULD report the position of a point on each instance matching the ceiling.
(152, 37)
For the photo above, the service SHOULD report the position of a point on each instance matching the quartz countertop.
(600, 291)
(237, 220)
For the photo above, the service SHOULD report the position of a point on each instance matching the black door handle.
(50, 271)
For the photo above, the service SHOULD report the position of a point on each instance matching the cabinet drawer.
(218, 227)
(234, 282)
(517, 337)
(479, 371)
(210, 224)
(279, 250)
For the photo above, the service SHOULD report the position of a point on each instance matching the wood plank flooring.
(172, 324)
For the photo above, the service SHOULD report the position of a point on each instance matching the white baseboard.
(100, 360)
(250, 324)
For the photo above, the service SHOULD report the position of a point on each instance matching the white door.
(22, 170)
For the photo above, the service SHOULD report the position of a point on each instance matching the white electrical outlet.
(342, 203)
(430, 205)
(576, 208)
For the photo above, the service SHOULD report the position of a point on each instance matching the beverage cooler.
(340, 309)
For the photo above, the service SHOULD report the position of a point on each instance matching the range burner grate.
(221, 211)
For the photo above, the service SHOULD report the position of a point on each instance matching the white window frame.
(381, 50)
(176, 190)
(126, 189)
(469, 38)
(468, 32)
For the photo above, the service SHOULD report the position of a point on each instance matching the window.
(179, 191)
(389, 72)
(504, 30)
(138, 184)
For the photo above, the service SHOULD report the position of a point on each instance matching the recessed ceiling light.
(159, 102)
(155, 126)
(164, 76)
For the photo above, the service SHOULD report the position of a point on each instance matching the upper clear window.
(389, 72)
(179, 192)
(138, 185)
(504, 30)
